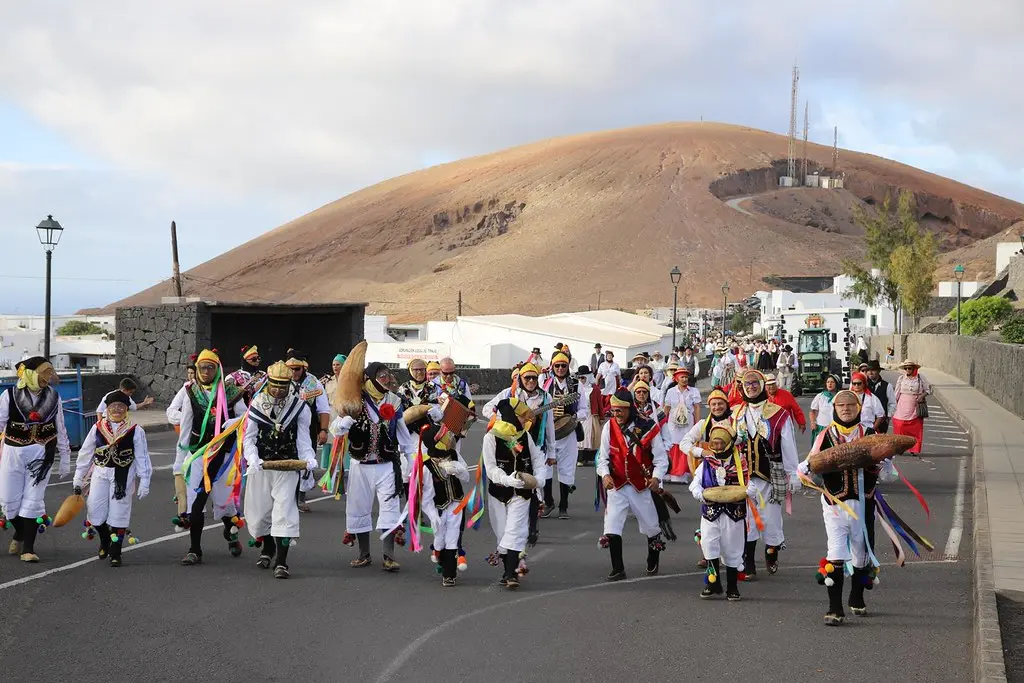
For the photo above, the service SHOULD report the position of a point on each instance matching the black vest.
(510, 462)
(119, 455)
(446, 489)
(881, 390)
(21, 429)
(843, 484)
(370, 442)
(274, 444)
(572, 386)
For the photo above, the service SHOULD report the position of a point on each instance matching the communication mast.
(792, 123)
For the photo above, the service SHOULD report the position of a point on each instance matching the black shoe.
(617, 575)
(832, 619)
(191, 558)
(512, 582)
(708, 592)
(115, 562)
(264, 562)
(448, 582)
(732, 596)
(547, 510)
(361, 561)
(281, 571)
(563, 514)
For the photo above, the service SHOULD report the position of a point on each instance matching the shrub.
(979, 315)
(1012, 331)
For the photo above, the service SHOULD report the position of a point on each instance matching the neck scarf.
(375, 390)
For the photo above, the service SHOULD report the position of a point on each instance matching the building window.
(874, 321)
(857, 314)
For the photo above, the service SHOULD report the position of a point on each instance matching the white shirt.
(610, 373)
(824, 407)
(870, 409)
(142, 467)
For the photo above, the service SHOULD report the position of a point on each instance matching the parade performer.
(515, 467)
(526, 387)
(765, 434)
(378, 438)
(248, 376)
(682, 405)
(32, 423)
(311, 391)
(443, 477)
(211, 407)
(642, 401)
(118, 453)
(418, 389)
(631, 463)
(173, 411)
(845, 521)
(277, 432)
(590, 396)
(783, 398)
(449, 383)
(722, 524)
(566, 419)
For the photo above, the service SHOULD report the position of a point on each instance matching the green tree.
(913, 267)
(1012, 330)
(74, 328)
(898, 248)
(979, 315)
(740, 321)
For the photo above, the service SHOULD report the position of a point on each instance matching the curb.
(987, 655)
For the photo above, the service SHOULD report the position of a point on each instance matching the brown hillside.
(547, 226)
(979, 258)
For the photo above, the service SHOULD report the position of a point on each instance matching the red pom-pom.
(35, 417)
(387, 412)
(741, 576)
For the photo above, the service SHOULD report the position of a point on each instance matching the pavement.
(998, 468)
(227, 620)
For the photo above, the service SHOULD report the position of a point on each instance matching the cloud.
(280, 107)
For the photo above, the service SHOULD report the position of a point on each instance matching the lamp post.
(49, 232)
(725, 302)
(958, 273)
(675, 275)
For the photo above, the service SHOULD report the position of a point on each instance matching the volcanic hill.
(554, 225)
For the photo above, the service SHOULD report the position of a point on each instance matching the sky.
(234, 117)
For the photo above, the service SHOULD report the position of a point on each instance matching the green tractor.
(815, 359)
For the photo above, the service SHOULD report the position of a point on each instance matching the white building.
(967, 289)
(869, 320)
(501, 341)
(1004, 252)
(21, 336)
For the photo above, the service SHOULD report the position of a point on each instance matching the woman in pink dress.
(911, 390)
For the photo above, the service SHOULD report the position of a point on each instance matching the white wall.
(779, 302)
(1004, 252)
(967, 288)
(482, 355)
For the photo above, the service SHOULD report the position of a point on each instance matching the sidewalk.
(997, 436)
(153, 419)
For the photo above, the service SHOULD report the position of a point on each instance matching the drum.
(284, 465)
(725, 494)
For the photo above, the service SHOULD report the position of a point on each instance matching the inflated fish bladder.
(864, 452)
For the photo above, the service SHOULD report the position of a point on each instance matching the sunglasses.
(856, 384)
(560, 365)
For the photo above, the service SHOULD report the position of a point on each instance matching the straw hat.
(908, 363)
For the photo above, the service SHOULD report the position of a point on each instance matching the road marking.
(139, 546)
(956, 531)
(950, 438)
(579, 536)
(392, 669)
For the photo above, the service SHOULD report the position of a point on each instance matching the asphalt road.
(226, 620)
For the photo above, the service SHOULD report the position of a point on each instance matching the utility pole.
(806, 126)
(460, 303)
(174, 260)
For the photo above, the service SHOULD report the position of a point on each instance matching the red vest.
(630, 461)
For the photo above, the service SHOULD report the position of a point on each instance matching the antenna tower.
(806, 122)
(835, 150)
(792, 124)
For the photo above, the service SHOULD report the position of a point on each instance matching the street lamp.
(725, 302)
(49, 232)
(675, 275)
(958, 273)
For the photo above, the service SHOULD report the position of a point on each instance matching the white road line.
(956, 530)
(139, 546)
(950, 438)
(579, 536)
(405, 654)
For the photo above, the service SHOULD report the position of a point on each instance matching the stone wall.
(988, 366)
(154, 344)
